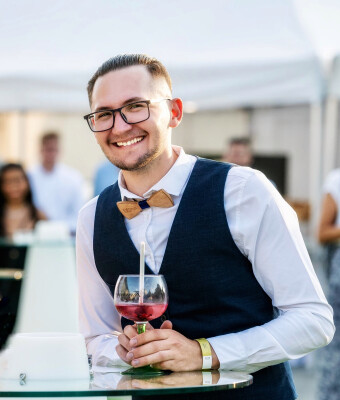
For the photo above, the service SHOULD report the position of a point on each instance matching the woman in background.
(17, 212)
(329, 234)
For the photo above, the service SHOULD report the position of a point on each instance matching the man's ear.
(176, 112)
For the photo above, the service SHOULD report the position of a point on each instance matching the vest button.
(163, 318)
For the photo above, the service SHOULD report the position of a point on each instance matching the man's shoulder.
(246, 178)
(88, 210)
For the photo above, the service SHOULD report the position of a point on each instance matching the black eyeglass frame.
(114, 110)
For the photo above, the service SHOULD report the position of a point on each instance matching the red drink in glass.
(141, 312)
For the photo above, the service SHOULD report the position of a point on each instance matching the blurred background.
(266, 70)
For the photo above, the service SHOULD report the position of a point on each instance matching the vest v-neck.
(172, 233)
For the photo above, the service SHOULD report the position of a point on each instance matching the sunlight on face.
(133, 147)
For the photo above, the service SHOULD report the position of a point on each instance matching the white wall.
(283, 131)
(207, 132)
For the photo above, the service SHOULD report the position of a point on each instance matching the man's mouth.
(129, 142)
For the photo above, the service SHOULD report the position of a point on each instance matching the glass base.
(145, 372)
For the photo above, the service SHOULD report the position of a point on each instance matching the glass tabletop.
(105, 382)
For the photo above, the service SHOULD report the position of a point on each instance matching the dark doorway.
(275, 169)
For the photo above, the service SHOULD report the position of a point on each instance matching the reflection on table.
(115, 384)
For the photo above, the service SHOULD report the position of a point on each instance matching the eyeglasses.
(132, 113)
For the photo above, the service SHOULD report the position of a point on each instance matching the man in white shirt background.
(267, 305)
(58, 190)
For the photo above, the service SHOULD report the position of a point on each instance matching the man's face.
(239, 154)
(132, 147)
(50, 152)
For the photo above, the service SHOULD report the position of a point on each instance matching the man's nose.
(120, 125)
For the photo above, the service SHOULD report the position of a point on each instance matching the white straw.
(141, 272)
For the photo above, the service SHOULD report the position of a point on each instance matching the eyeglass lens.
(131, 113)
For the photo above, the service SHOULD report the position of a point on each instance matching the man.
(239, 152)
(58, 190)
(230, 249)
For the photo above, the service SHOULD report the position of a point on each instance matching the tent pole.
(22, 136)
(315, 165)
(330, 140)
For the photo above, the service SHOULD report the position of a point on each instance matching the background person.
(229, 247)
(329, 235)
(106, 175)
(58, 190)
(239, 151)
(17, 211)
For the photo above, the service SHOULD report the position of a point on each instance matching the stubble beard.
(143, 162)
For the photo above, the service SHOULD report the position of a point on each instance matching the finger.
(155, 359)
(130, 331)
(122, 353)
(149, 336)
(149, 348)
(166, 325)
(124, 341)
(140, 384)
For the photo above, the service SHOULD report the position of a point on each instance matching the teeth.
(135, 140)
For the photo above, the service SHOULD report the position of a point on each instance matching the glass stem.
(141, 327)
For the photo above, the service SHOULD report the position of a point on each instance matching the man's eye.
(135, 106)
(103, 115)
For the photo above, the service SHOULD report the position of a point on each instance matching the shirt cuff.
(230, 351)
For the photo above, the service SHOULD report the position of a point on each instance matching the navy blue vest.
(212, 288)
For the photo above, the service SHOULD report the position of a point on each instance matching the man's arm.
(266, 230)
(98, 317)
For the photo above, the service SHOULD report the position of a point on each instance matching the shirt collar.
(173, 182)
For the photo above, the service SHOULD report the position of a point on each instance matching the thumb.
(166, 325)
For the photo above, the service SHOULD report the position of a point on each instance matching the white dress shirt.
(265, 229)
(59, 193)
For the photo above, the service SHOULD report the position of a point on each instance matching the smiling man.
(229, 246)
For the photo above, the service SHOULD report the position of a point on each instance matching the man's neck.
(140, 181)
(49, 167)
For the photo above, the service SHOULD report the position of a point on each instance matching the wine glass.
(141, 299)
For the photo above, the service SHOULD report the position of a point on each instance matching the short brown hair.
(155, 68)
(244, 141)
(46, 137)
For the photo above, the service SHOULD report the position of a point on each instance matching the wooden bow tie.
(132, 208)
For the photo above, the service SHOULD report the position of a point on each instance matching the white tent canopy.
(220, 54)
(225, 53)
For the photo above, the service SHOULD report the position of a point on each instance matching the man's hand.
(163, 348)
(130, 331)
